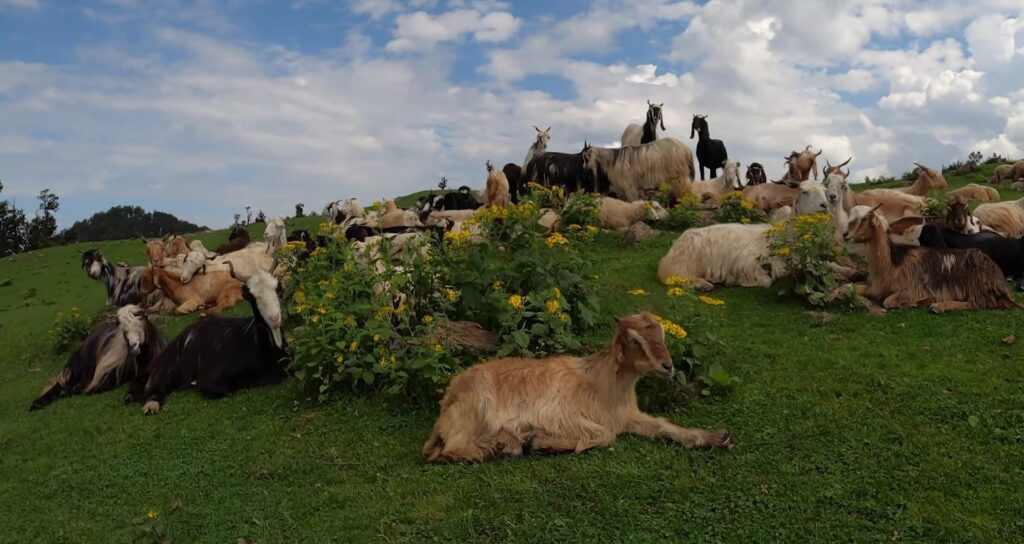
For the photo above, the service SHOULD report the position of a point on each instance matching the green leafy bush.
(736, 209)
(806, 245)
(581, 209)
(69, 330)
(685, 215)
(934, 208)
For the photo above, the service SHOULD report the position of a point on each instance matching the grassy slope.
(863, 429)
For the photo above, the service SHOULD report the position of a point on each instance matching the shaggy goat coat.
(973, 191)
(715, 188)
(561, 404)
(1003, 217)
(1002, 173)
(633, 170)
(116, 351)
(928, 179)
(616, 214)
(222, 354)
(729, 253)
(944, 279)
(496, 191)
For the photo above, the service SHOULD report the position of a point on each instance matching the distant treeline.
(122, 222)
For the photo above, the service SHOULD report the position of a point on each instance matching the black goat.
(117, 350)
(121, 282)
(514, 174)
(565, 170)
(312, 242)
(1008, 253)
(238, 239)
(755, 174)
(222, 354)
(711, 153)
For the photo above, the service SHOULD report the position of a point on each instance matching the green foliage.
(122, 222)
(686, 214)
(542, 197)
(868, 180)
(736, 209)
(148, 530)
(995, 158)
(806, 245)
(934, 208)
(69, 330)
(373, 327)
(581, 209)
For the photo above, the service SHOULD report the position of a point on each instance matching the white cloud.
(991, 39)
(420, 30)
(20, 4)
(375, 8)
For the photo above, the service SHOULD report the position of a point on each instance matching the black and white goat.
(122, 282)
(118, 350)
(1008, 253)
(565, 170)
(221, 354)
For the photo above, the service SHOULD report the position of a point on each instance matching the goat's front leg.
(655, 427)
(950, 306)
(188, 307)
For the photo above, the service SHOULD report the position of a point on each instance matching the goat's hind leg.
(659, 427)
(950, 306)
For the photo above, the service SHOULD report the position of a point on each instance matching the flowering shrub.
(685, 215)
(582, 209)
(806, 245)
(69, 330)
(934, 208)
(372, 324)
(736, 209)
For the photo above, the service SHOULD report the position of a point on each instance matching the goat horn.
(875, 208)
(828, 165)
(649, 102)
(231, 269)
(547, 129)
(535, 128)
(819, 152)
(919, 165)
(844, 163)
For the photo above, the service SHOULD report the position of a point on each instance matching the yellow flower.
(376, 338)
(671, 328)
(457, 237)
(438, 348)
(556, 239)
(314, 319)
(574, 227)
(563, 317)
(553, 306)
(452, 294)
(401, 309)
(340, 359)
(318, 252)
(384, 311)
(677, 281)
(348, 267)
(299, 308)
(745, 220)
(323, 283)
(783, 251)
(747, 204)
(497, 285)
(428, 319)
(676, 292)
(555, 292)
(349, 321)
(329, 296)
(516, 302)
(152, 514)
(375, 204)
(711, 300)
(353, 346)
(591, 229)
(499, 212)
(300, 296)
(321, 310)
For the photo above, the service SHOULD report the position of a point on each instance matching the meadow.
(849, 427)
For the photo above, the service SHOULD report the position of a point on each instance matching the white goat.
(616, 214)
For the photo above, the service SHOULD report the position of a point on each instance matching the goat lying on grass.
(944, 279)
(512, 406)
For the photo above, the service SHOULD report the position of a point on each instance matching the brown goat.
(496, 189)
(770, 196)
(944, 279)
(238, 239)
(168, 247)
(803, 163)
(928, 179)
(213, 291)
(1003, 172)
(511, 406)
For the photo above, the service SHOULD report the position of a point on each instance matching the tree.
(13, 229)
(121, 222)
(299, 210)
(44, 225)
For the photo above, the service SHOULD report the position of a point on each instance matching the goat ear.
(904, 223)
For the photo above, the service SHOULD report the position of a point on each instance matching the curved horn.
(535, 128)
(844, 163)
(818, 153)
(548, 129)
(875, 208)
(649, 102)
(828, 166)
(231, 269)
(921, 166)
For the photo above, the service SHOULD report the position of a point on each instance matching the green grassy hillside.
(908, 427)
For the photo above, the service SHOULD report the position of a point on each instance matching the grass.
(907, 427)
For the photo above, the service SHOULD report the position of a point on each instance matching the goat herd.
(513, 406)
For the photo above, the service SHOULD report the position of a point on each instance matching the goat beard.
(276, 333)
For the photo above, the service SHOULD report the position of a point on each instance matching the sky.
(202, 107)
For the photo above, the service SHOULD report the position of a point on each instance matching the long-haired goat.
(635, 134)
(238, 239)
(540, 145)
(565, 170)
(1016, 172)
(212, 291)
(1002, 173)
(756, 174)
(804, 162)
(715, 188)
(117, 350)
(514, 175)
(123, 283)
(633, 170)
(710, 153)
(496, 192)
(1007, 253)
(222, 354)
(973, 191)
(943, 279)
(617, 214)
(561, 404)
(1003, 217)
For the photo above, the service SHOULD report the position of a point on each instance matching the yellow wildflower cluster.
(783, 251)
(554, 306)
(353, 346)
(452, 294)
(498, 212)
(299, 296)
(592, 230)
(556, 239)
(428, 319)
(386, 361)
(556, 292)
(329, 295)
(671, 329)
(637, 292)
(516, 302)
(458, 237)
(711, 301)
(314, 319)
(438, 348)
(349, 321)
(294, 246)
(321, 310)
(676, 292)
(152, 514)
(323, 229)
(340, 359)
(318, 252)
(384, 312)
(678, 281)
(497, 285)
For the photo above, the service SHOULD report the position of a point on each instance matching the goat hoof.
(725, 440)
(935, 309)
(152, 407)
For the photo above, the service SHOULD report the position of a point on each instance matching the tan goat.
(496, 189)
(928, 179)
(512, 406)
(212, 291)
(973, 191)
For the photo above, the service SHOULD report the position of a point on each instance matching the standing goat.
(633, 170)
(756, 174)
(222, 354)
(636, 135)
(710, 153)
(565, 170)
(803, 163)
(496, 191)
(943, 279)
(115, 352)
(514, 175)
(539, 146)
(561, 404)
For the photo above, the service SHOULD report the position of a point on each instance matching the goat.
(710, 153)
(222, 354)
(717, 187)
(755, 174)
(1007, 253)
(122, 283)
(616, 214)
(514, 174)
(117, 351)
(345, 210)
(213, 291)
(635, 134)
(1017, 172)
(496, 191)
(462, 199)
(168, 247)
(944, 279)
(238, 239)
(769, 196)
(804, 162)
(894, 204)
(973, 191)
(928, 179)
(564, 170)
(540, 145)
(1004, 217)
(560, 404)
(632, 170)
